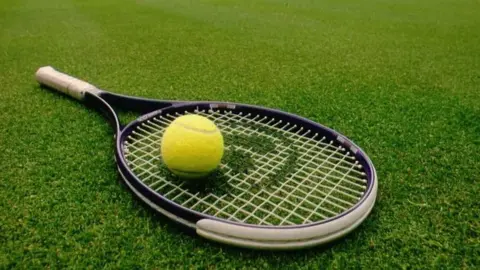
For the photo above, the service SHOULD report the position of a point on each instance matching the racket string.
(311, 174)
(256, 196)
(310, 142)
(325, 181)
(292, 192)
(270, 195)
(319, 206)
(244, 191)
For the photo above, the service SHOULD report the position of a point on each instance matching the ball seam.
(197, 129)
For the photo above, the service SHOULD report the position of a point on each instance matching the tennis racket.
(285, 182)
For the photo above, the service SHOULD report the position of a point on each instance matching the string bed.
(321, 181)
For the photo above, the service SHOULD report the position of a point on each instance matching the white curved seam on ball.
(196, 129)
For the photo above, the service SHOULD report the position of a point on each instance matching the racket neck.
(109, 104)
(104, 108)
(134, 104)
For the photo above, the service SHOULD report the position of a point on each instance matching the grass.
(401, 78)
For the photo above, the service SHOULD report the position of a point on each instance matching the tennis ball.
(192, 146)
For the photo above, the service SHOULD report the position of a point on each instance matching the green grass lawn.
(401, 78)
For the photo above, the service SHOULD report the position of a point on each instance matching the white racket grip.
(62, 82)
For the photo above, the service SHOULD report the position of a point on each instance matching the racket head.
(354, 199)
(280, 223)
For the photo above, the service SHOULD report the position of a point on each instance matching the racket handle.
(64, 83)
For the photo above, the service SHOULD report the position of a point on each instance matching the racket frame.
(213, 228)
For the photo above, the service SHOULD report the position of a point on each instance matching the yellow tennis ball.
(192, 146)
